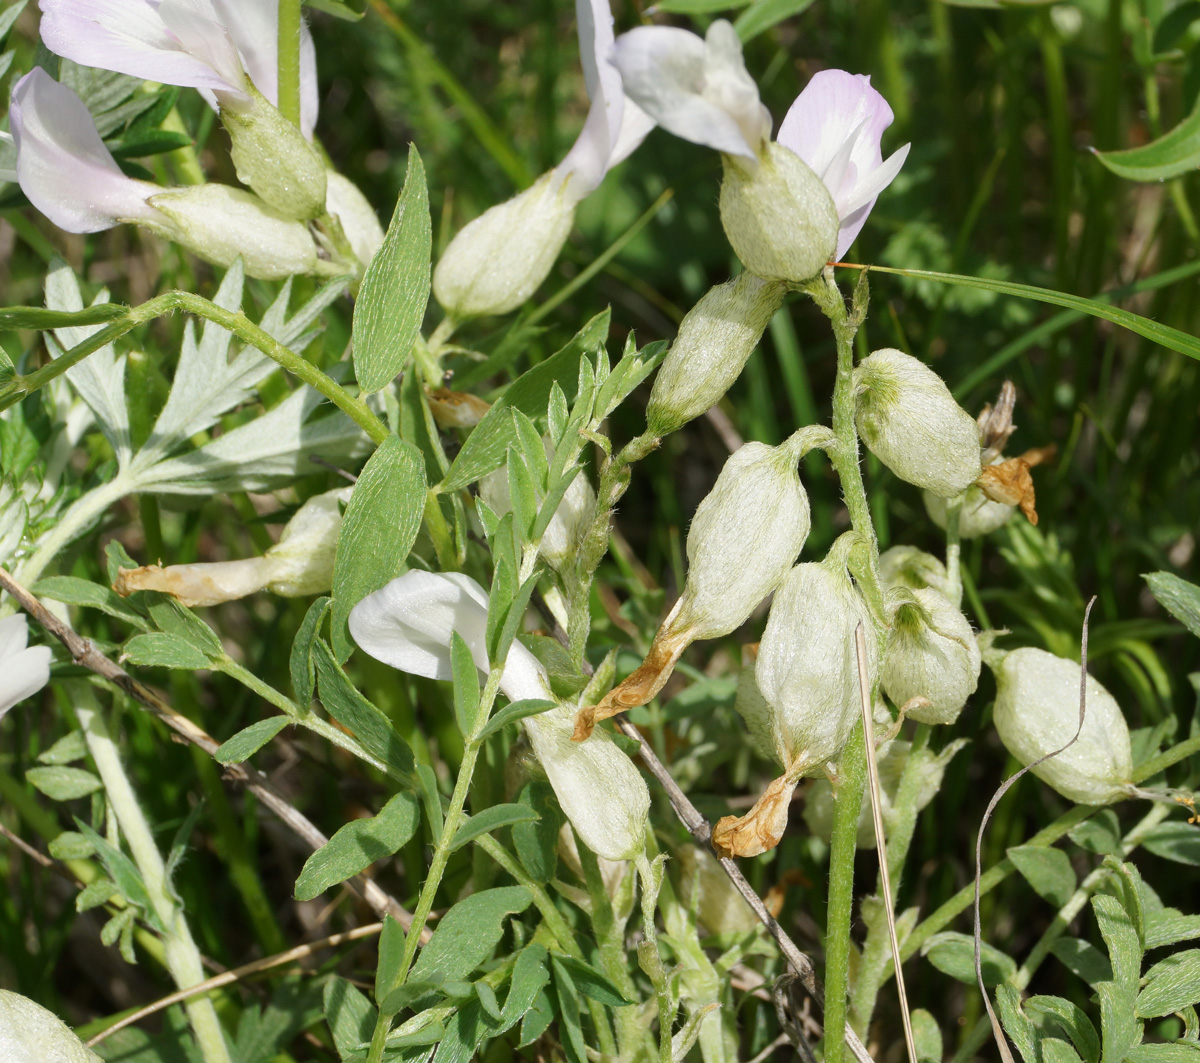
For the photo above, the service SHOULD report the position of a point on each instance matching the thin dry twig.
(997, 1030)
(237, 973)
(701, 830)
(864, 688)
(85, 654)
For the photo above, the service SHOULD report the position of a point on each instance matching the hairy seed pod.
(778, 215)
(932, 654)
(31, 1034)
(910, 421)
(715, 340)
(908, 567)
(1037, 712)
(979, 514)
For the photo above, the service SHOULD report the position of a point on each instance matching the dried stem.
(701, 830)
(86, 655)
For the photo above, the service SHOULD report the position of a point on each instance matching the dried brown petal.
(995, 423)
(641, 685)
(200, 584)
(1009, 482)
(762, 827)
(456, 409)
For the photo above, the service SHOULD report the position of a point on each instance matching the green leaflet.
(380, 526)
(1174, 153)
(359, 844)
(391, 303)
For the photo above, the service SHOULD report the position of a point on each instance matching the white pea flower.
(745, 535)
(70, 176)
(30, 1033)
(1037, 712)
(408, 624)
(208, 45)
(24, 670)
(784, 221)
(501, 258)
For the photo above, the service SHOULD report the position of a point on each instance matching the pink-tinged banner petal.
(64, 167)
(836, 126)
(664, 72)
(176, 42)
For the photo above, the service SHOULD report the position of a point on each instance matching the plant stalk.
(289, 60)
(180, 951)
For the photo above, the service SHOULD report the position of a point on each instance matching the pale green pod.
(778, 215)
(31, 1034)
(1037, 712)
(273, 158)
(931, 653)
(910, 421)
(758, 716)
(745, 536)
(359, 221)
(499, 260)
(715, 340)
(908, 567)
(807, 667)
(220, 223)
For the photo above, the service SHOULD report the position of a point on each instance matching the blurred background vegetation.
(1002, 106)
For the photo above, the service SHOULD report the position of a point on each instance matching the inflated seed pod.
(931, 654)
(1037, 712)
(807, 673)
(744, 537)
(498, 260)
(715, 340)
(719, 906)
(778, 215)
(31, 1034)
(910, 421)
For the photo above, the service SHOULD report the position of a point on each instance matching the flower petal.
(600, 790)
(851, 224)
(359, 220)
(664, 70)
(14, 635)
(62, 164)
(831, 107)
(408, 623)
(177, 42)
(23, 675)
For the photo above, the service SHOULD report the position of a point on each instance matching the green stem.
(611, 938)
(454, 818)
(289, 60)
(853, 762)
(852, 778)
(439, 532)
(181, 954)
(235, 322)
